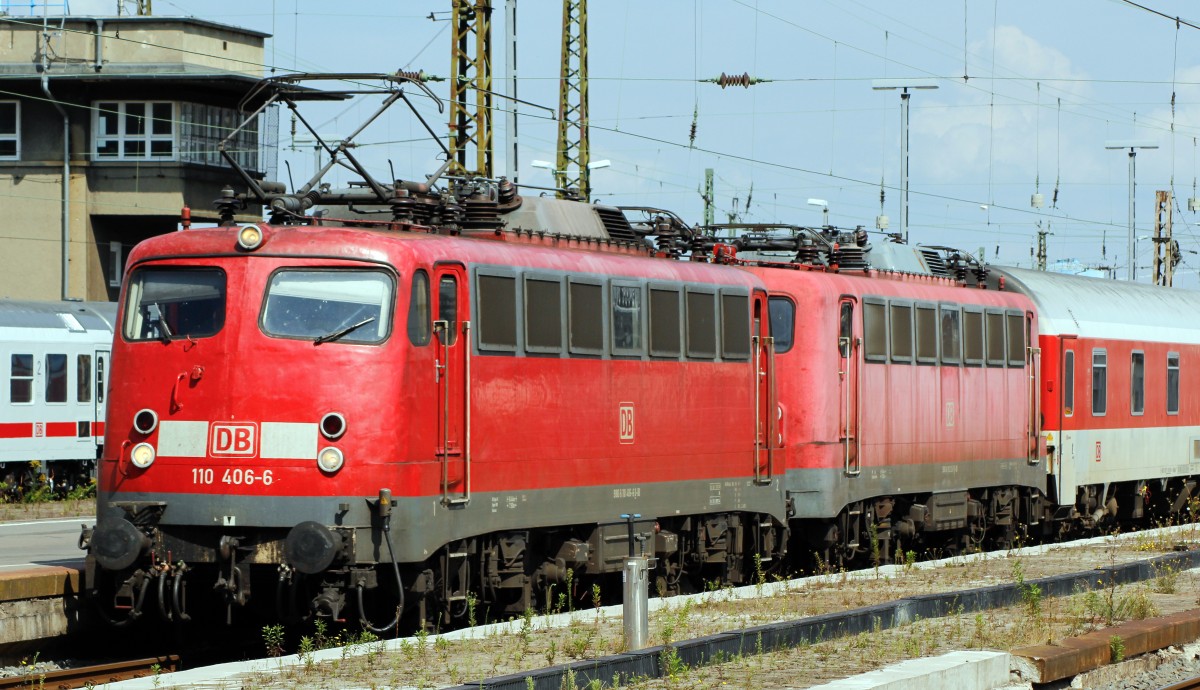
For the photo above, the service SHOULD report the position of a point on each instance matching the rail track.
(1189, 684)
(92, 676)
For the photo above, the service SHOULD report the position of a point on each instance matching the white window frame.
(102, 109)
(14, 135)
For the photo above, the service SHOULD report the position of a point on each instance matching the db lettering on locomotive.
(234, 440)
(626, 420)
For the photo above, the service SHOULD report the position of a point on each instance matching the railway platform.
(38, 604)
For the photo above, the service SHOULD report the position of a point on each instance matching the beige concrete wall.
(141, 42)
(30, 229)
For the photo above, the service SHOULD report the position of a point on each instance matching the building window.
(10, 130)
(134, 130)
(203, 127)
(116, 267)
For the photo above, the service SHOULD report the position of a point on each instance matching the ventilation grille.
(852, 259)
(935, 262)
(615, 223)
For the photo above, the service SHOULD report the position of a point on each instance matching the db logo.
(234, 439)
(626, 422)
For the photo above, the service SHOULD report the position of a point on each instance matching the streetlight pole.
(824, 210)
(1133, 145)
(903, 85)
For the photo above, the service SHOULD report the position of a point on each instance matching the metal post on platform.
(636, 593)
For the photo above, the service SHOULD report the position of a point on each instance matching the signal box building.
(109, 126)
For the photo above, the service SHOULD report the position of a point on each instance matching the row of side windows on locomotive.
(1137, 383)
(907, 332)
(546, 314)
(21, 379)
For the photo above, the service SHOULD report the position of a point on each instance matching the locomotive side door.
(849, 351)
(766, 412)
(99, 394)
(452, 373)
(1062, 468)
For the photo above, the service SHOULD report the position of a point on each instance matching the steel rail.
(97, 675)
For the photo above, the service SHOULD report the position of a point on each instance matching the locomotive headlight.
(330, 460)
(249, 237)
(142, 455)
(145, 421)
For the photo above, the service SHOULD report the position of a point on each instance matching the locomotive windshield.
(323, 306)
(166, 303)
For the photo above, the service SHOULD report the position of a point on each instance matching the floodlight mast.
(903, 85)
(1133, 145)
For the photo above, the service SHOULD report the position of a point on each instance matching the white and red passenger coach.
(1120, 393)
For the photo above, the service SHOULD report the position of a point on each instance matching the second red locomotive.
(456, 407)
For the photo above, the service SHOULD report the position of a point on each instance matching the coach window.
(701, 324)
(543, 315)
(1172, 383)
(664, 322)
(100, 387)
(497, 297)
(783, 322)
(875, 330)
(20, 382)
(83, 378)
(951, 330)
(927, 334)
(1099, 382)
(585, 313)
(973, 337)
(418, 310)
(996, 354)
(56, 378)
(1016, 338)
(1137, 383)
(626, 319)
(900, 318)
(735, 326)
(1068, 383)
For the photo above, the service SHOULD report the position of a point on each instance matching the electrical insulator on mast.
(743, 80)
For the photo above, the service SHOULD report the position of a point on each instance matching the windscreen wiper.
(343, 331)
(156, 316)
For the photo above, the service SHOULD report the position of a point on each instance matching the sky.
(1028, 95)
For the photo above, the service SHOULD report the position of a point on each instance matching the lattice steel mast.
(471, 71)
(571, 171)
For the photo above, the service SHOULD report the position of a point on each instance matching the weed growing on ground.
(273, 640)
(1116, 648)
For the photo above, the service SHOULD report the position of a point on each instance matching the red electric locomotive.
(468, 405)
